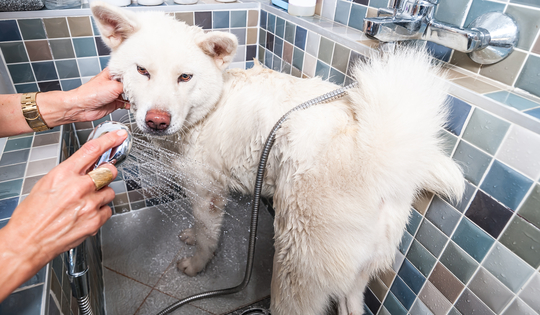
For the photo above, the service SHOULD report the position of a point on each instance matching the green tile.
(528, 79)
(341, 58)
(10, 188)
(32, 29)
(472, 239)
(530, 210)
(298, 58)
(485, 131)
(290, 30)
(67, 69)
(14, 52)
(21, 73)
(62, 48)
(421, 258)
(523, 239)
(84, 47)
(458, 262)
(326, 48)
(18, 144)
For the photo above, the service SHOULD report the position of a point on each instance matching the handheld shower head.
(117, 154)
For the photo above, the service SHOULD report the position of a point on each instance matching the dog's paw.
(190, 265)
(188, 236)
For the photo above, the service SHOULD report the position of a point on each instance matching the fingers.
(88, 154)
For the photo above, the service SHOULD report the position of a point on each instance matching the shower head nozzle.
(117, 154)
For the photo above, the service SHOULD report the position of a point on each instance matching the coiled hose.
(255, 201)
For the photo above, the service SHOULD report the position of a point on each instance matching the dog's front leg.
(208, 213)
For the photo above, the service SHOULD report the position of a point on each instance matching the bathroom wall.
(451, 253)
(520, 70)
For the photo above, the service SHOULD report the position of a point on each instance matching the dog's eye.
(143, 71)
(184, 77)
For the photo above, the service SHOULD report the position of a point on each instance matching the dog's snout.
(158, 119)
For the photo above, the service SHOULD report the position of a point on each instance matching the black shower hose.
(255, 201)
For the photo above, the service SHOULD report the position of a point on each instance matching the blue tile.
(278, 46)
(38, 278)
(10, 188)
(18, 144)
(421, 258)
(403, 293)
(414, 221)
(485, 131)
(343, 10)
(289, 32)
(280, 27)
(528, 78)
(406, 241)
(67, 69)
(102, 49)
(534, 112)
(298, 58)
(89, 67)
(70, 84)
(7, 206)
(431, 237)
(459, 111)
(506, 185)
(238, 18)
(269, 41)
(221, 19)
(45, 71)
(21, 73)
(262, 37)
(15, 157)
(512, 100)
(271, 23)
(462, 204)
(263, 18)
(251, 52)
(393, 305)
(276, 64)
(12, 172)
(438, 51)
(411, 276)
(26, 87)
(442, 215)
(9, 31)
(336, 77)
(25, 302)
(371, 301)
(268, 59)
(104, 61)
(473, 161)
(300, 37)
(322, 70)
(480, 7)
(358, 13)
(204, 19)
(84, 47)
(488, 214)
(472, 239)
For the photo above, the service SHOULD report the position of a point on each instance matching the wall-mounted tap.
(488, 39)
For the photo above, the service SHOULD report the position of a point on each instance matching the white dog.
(342, 175)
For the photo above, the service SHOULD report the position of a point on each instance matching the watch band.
(31, 112)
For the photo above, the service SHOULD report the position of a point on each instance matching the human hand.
(64, 208)
(91, 101)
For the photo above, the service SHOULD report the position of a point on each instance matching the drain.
(256, 311)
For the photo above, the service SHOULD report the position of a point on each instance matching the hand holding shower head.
(117, 154)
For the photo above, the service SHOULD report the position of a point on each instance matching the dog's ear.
(115, 24)
(219, 45)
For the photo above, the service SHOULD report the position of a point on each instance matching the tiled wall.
(519, 70)
(480, 256)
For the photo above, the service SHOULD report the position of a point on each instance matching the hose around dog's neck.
(255, 201)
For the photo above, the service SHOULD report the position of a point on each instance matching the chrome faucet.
(488, 39)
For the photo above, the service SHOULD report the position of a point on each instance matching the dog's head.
(172, 73)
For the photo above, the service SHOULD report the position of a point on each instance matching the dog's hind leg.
(353, 302)
(208, 213)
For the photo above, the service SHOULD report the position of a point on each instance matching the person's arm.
(91, 101)
(60, 212)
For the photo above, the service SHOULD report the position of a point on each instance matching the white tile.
(44, 152)
(531, 293)
(521, 150)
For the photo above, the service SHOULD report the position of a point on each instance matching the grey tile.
(21, 73)
(523, 239)
(442, 215)
(473, 161)
(507, 267)
(520, 150)
(452, 12)
(38, 50)
(70, 84)
(462, 204)
(468, 303)
(84, 47)
(497, 297)
(23, 302)
(528, 80)
(431, 237)
(421, 258)
(62, 48)
(434, 299)
(80, 26)
(239, 18)
(32, 29)
(67, 68)
(14, 52)
(44, 152)
(485, 131)
(18, 144)
(89, 66)
(341, 58)
(326, 48)
(56, 27)
(507, 70)
(29, 183)
(186, 17)
(122, 294)
(289, 32)
(46, 139)
(458, 262)
(527, 21)
(240, 33)
(280, 27)
(322, 70)
(529, 209)
(530, 293)
(298, 58)
(12, 172)
(41, 167)
(419, 308)
(519, 307)
(15, 157)
(449, 142)
(448, 284)
(472, 239)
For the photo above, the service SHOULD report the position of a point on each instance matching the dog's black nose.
(157, 119)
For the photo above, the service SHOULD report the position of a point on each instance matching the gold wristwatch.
(31, 112)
